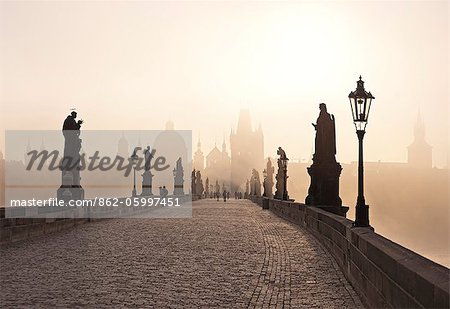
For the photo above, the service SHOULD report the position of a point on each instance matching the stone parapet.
(383, 273)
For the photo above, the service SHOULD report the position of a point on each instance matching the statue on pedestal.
(147, 176)
(70, 188)
(178, 174)
(325, 171)
(256, 183)
(217, 188)
(246, 193)
(207, 187)
(199, 184)
(193, 187)
(268, 179)
(281, 193)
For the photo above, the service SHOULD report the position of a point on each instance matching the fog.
(136, 65)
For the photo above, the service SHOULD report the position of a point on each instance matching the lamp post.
(134, 158)
(360, 101)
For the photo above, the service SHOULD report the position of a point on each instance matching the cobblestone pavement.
(230, 254)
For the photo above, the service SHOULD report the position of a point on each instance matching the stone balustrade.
(20, 223)
(383, 273)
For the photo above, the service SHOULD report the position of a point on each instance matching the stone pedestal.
(178, 190)
(70, 188)
(324, 189)
(178, 179)
(281, 193)
(68, 191)
(147, 178)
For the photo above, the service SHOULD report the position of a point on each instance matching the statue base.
(281, 192)
(324, 188)
(178, 190)
(67, 193)
(147, 184)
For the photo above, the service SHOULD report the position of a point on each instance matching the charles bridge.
(263, 251)
(240, 253)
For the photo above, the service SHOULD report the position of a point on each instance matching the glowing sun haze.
(136, 65)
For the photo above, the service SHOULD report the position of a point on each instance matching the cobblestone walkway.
(229, 254)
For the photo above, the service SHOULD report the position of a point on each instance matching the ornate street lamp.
(134, 159)
(360, 101)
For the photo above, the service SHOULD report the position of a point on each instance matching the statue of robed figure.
(199, 184)
(193, 182)
(325, 143)
(70, 188)
(255, 183)
(178, 174)
(268, 179)
(281, 193)
(325, 171)
(147, 176)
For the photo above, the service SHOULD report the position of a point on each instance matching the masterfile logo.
(82, 171)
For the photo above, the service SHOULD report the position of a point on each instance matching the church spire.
(224, 146)
(419, 152)
(199, 144)
(419, 128)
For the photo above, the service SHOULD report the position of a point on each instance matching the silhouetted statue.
(268, 179)
(199, 184)
(70, 188)
(325, 143)
(217, 186)
(282, 154)
(325, 171)
(193, 187)
(147, 157)
(178, 174)
(217, 189)
(281, 193)
(251, 185)
(147, 176)
(70, 124)
(246, 193)
(207, 187)
(256, 183)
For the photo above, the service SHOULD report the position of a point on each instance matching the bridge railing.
(19, 223)
(383, 273)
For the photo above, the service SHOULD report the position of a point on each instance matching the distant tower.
(122, 147)
(224, 147)
(247, 151)
(199, 158)
(171, 145)
(218, 164)
(419, 152)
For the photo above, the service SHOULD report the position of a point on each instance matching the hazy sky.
(135, 65)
